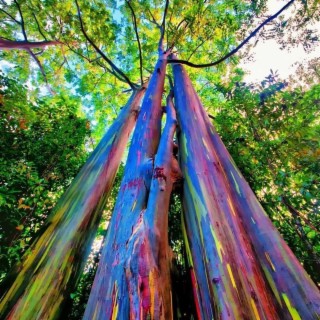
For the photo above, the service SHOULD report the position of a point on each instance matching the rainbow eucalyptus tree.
(240, 265)
(132, 279)
(51, 267)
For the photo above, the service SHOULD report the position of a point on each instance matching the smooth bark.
(9, 45)
(149, 254)
(240, 265)
(50, 269)
(121, 289)
(148, 247)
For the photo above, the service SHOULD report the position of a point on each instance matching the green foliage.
(272, 132)
(42, 148)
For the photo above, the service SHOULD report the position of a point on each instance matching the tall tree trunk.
(124, 287)
(50, 269)
(149, 258)
(242, 267)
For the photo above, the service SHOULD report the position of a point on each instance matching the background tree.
(42, 148)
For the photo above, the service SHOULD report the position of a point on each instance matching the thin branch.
(196, 48)
(95, 60)
(163, 27)
(35, 58)
(169, 22)
(28, 48)
(10, 16)
(154, 21)
(138, 39)
(95, 85)
(39, 52)
(296, 213)
(111, 71)
(231, 53)
(80, 54)
(23, 29)
(3, 38)
(177, 34)
(163, 24)
(38, 25)
(113, 66)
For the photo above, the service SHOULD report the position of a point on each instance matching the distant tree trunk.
(51, 267)
(11, 44)
(129, 281)
(241, 267)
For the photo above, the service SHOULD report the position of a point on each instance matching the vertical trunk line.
(156, 216)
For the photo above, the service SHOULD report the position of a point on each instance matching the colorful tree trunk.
(50, 269)
(25, 45)
(148, 261)
(240, 265)
(124, 286)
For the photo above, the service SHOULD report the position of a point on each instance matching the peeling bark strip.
(48, 273)
(148, 255)
(121, 289)
(156, 216)
(242, 267)
(9, 45)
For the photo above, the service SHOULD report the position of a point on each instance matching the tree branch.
(138, 40)
(296, 213)
(23, 29)
(113, 66)
(163, 27)
(196, 48)
(154, 21)
(231, 53)
(10, 16)
(12, 44)
(35, 58)
(111, 71)
(95, 60)
(38, 25)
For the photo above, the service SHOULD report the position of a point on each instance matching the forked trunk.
(124, 287)
(50, 269)
(240, 265)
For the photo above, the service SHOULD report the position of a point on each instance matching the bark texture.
(240, 266)
(9, 44)
(51, 267)
(124, 286)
